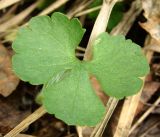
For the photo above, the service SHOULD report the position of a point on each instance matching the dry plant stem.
(111, 105)
(52, 7)
(150, 129)
(87, 11)
(127, 20)
(6, 3)
(74, 6)
(26, 122)
(9, 14)
(18, 18)
(24, 135)
(81, 49)
(127, 115)
(83, 5)
(79, 54)
(100, 25)
(79, 131)
(141, 119)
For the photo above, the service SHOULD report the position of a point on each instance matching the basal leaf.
(45, 47)
(118, 65)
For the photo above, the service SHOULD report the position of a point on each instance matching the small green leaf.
(116, 15)
(44, 4)
(45, 54)
(73, 99)
(118, 65)
(46, 47)
(95, 3)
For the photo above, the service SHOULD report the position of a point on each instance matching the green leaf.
(46, 47)
(73, 99)
(95, 3)
(45, 54)
(116, 15)
(44, 4)
(118, 64)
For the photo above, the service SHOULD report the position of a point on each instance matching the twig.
(81, 49)
(150, 129)
(79, 54)
(139, 121)
(111, 105)
(100, 25)
(6, 3)
(9, 13)
(18, 18)
(127, 20)
(24, 135)
(52, 7)
(88, 11)
(79, 131)
(82, 6)
(26, 122)
(127, 115)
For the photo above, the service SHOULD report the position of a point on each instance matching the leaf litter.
(153, 77)
(8, 80)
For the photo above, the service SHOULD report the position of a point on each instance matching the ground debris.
(8, 80)
(152, 14)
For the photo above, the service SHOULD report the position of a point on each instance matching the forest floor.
(139, 21)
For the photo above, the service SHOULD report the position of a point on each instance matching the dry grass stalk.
(127, 115)
(52, 7)
(87, 11)
(26, 122)
(150, 129)
(24, 135)
(99, 129)
(18, 18)
(7, 3)
(8, 14)
(72, 12)
(143, 117)
(127, 20)
(100, 24)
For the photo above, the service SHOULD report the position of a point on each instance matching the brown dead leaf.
(8, 81)
(152, 14)
(12, 111)
(153, 45)
(149, 89)
(104, 98)
(156, 69)
(48, 126)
